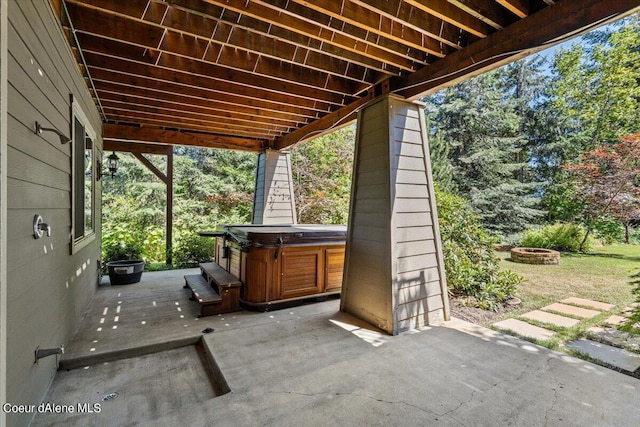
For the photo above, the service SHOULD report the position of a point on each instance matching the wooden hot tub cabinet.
(282, 264)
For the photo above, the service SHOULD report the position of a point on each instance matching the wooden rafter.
(114, 132)
(256, 74)
(538, 32)
(520, 8)
(485, 11)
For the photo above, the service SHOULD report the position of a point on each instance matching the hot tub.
(282, 264)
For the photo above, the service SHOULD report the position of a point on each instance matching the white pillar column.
(273, 199)
(394, 272)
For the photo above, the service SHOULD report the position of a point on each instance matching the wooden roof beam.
(185, 73)
(324, 125)
(139, 147)
(158, 109)
(539, 31)
(284, 35)
(409, 11)
(485, 11)
(142, 34)
(428, 40)
(133, 94)
(520, 8)
(113, 133)
(387, 51)
(126, 113)
(133, 99)
(180, 24)
(113, 80)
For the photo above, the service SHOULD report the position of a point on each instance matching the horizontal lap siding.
(366, 294)
(48, 289)
(393, 274)
(278, 206)
(418, 291)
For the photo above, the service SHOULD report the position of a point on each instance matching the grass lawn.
(602, 275)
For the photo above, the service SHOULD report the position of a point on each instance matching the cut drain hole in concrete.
(109, 396)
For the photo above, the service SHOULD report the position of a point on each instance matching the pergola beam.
(324, 125)
(116, 132)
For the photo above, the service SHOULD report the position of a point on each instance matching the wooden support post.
(167, 178)
(394, 270)
(169, 181)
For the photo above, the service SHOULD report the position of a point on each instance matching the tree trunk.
(584, 240)
(627, 234)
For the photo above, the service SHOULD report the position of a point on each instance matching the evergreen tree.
(479, 119)
(440, 165)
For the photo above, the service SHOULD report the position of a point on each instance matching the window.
(84, 179)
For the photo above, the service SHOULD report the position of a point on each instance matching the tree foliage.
(593, 99)
(321, 171)
(607, 181)
(211, 187)
(483, 122)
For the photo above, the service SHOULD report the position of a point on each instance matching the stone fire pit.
(535, 256)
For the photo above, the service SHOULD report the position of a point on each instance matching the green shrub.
(120, 250)
(560, 237)
(608, 231)
(471, 264)
(191, 249)
(631, 325)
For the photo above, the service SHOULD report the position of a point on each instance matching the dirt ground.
(462, 309)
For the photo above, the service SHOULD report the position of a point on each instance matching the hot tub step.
(203, 294)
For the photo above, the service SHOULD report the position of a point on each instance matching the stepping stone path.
(615, 320)
(588, 303)
(553, 319)
(612, 356)
(524, 329)
(571, 310)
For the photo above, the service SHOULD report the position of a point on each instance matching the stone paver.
(571, 310)
(615, 320)
(524, 329)
(613, 356)
(554, 319)
(589, 303)
(615, 337)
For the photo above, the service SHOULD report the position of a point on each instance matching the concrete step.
(524, 329)
(553, 319)
(589, 303)
(613, 356)
(583, 313)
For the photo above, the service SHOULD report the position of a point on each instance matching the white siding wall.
(48, 289)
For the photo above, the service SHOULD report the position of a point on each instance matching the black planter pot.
(125, 272)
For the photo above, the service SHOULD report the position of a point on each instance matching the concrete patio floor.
(312, 365)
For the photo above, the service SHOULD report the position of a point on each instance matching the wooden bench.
(215, 290)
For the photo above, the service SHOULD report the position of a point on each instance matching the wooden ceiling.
(254, 74)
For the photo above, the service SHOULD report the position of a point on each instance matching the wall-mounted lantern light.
(112, 163)
(62, 136)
